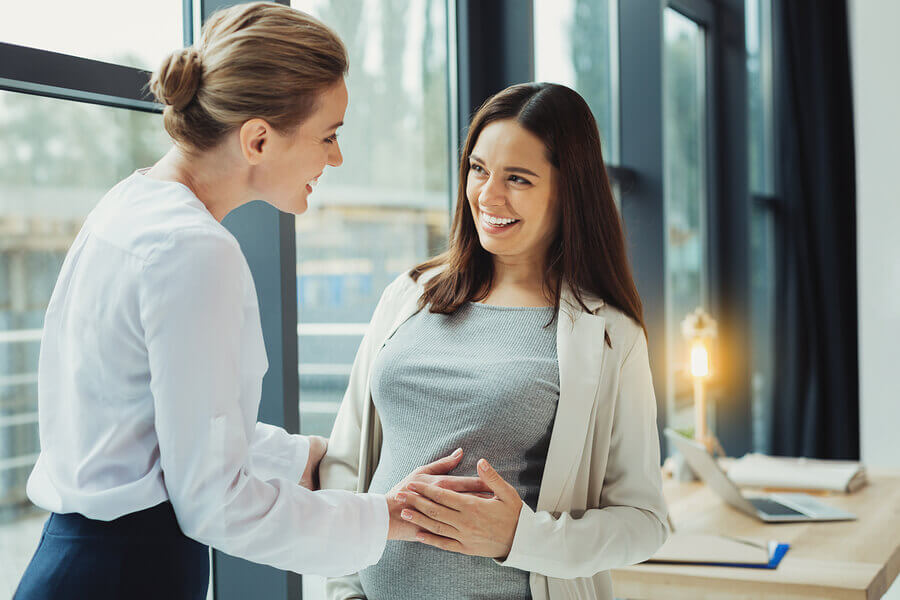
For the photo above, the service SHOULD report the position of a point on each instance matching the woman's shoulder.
(156, 220)
(623, 330)
(404, 286)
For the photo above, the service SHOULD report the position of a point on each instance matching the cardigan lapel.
(409, 307)
(579, 346)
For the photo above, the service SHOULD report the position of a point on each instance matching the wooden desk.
(850, 559)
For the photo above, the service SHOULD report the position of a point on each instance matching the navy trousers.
(141, 555)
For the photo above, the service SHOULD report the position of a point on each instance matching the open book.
(760, 470)
(719, 550)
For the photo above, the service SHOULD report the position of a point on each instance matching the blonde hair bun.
(257, 60)
(177, 80)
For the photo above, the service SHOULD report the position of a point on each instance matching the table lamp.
(700, 329)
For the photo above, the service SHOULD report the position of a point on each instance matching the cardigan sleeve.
(630, 523)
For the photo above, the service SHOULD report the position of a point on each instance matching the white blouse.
(149, 382)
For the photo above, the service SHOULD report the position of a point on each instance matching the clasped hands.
(477, 516)
(469, 515)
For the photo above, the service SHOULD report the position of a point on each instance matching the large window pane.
(125, 33)
(57, 159)
(762, 224)
(575, 44)
(387, 206)
(684, 136)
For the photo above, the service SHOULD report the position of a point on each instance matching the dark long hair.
(588, 250)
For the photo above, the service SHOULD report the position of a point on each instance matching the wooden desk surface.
(849, 559)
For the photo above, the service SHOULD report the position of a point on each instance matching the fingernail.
(413, 486)
(457, 453)
(401, 497)
(406, 515)
(420, 537)
(483, 465)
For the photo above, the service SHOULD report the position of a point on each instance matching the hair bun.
(176, 81)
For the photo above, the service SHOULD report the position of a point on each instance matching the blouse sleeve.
(192, 300)
(275, 453)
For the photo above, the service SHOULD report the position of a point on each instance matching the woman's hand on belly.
(433, 474)
(465, 523)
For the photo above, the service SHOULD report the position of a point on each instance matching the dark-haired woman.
(524, 344)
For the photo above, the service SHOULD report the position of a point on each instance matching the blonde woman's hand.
(317, 448)
(465, 523)
(434, 474)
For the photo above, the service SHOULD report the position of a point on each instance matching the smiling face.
(511, 189)
(297, 159)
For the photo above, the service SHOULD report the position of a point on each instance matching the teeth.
(314, 182)
(497, 220)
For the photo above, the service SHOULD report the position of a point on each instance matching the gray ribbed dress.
(485, 379)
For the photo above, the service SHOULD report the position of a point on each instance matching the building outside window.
(576, 44)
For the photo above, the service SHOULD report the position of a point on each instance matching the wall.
(875, 54)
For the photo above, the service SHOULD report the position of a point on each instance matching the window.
(107, 30)
(57, 159)
(576, 44)
(762, 219)
(685, 194)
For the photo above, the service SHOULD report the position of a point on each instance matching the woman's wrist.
(318, 446)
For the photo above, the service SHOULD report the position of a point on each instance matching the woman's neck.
(213, 176)
(518, 283)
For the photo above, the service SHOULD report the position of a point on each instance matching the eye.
(517, 179)
(331, 138)
(476, 168)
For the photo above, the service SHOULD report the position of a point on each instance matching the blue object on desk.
(777, 555)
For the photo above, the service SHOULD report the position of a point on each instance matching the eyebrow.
(508, 169)
(335, 126)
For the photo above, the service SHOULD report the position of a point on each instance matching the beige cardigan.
(600, 504)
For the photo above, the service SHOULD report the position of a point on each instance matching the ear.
(254, 136)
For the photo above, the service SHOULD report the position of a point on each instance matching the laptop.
(771, 508)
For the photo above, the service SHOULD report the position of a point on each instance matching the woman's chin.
(296, 206)
(492, 245)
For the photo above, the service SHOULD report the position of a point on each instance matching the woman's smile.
(495, 225)
(311, 184)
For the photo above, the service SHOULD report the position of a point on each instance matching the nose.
(335, 158)
(492, 193)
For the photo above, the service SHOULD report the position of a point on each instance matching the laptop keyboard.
(770, 507)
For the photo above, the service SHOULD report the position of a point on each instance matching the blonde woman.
(524, 344)
(152, 356)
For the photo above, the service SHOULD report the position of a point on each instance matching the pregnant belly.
(414, 571)
(521, 469)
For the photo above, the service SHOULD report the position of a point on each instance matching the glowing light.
(699, 360)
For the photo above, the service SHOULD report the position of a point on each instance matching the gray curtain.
(816, 403)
